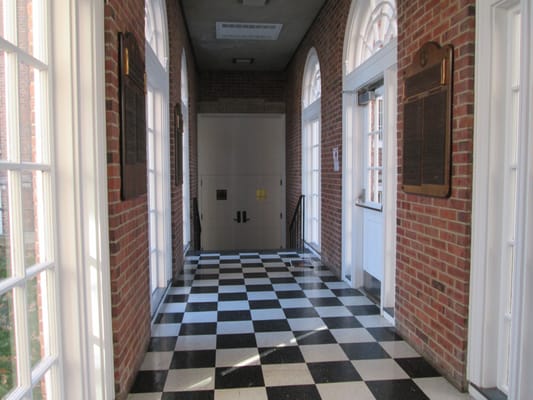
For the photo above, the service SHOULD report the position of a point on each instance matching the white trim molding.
(78, 79)
(488, 179)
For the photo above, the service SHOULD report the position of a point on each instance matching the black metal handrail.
(297, 225)
(197, 226)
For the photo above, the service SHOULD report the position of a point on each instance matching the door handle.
(238, 219)
(244, 219)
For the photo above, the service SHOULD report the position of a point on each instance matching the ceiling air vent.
(248, 31)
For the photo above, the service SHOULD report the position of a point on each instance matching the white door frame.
(381, 65)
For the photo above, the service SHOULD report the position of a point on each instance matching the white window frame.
(186, 191)
(490, 121)
(158, 155)
(357, 75)
(311, 119)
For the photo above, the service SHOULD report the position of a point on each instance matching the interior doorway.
(241, 171)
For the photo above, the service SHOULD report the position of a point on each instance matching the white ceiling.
(211, 54)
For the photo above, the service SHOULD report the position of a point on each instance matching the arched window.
(158, 143)
(185, 149)
(311, 149)
(373, 27)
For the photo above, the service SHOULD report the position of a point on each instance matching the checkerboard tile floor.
(253, 326)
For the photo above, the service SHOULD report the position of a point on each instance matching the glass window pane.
(26, 24)
(5, 245)
(3, 127)
(27, 123)
(32, 213)
(42, 391)
(37, 317)
(8, 362)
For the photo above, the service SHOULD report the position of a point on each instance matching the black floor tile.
(196, 307)
(204, 289)
(346, 292)
(226, 378)
(239, 315)
(252, 265)
(176, 298)
(236, 341)
(291, 294)
(325, 302)
(264, 304)
(417, 367)
(281, 355)
(304, 312)
(223, 271)
(301, 392)
(193, 359)
(277, 281)
(169, 318)
(341, 322)
(364, 351)
(314, 337)
(273, 325)
(205, 277)
(232, 296)
(255, 274)
(386, 334)
(259, 288)
(401, 389)
(363, 310)
(231, 282)
(329, 279)
(276, 269)
(313, 286)
(204, 328)
(333, 371)
(149, 381)
(199, 395)
(165, 343)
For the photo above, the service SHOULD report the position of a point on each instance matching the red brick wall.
(327, 37)
(128, 220)
(433, 235)
(178, 41)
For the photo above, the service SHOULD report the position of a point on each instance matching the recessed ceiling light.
(247, 31)
(242, 61)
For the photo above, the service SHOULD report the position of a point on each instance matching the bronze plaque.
(427, 122)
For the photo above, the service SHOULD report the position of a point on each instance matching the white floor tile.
(379, 370)
(399, 349)
(275, 339)
(344, 391)
(295, 303)
(323, 352)
(241, 394)
(282, 287)
(373, 321)
(306, 324)
(196, 342)
(257, 281)
(162, 330)
(190, 379)
(237, 357)
(261, 315)
(337, 311)
(198, 317)
(440, 389)
(286, 374)
(231, 276)
(262, 296)
(352, 335)
(337, 285)
(234, 327)
(308, 279)
(179, 290)
(203, 298)
(205, 282)
(279, 274)
(156, 360)
(315, 293)
(233, 305)
(232, 289)
(145, 396)
(355, 301)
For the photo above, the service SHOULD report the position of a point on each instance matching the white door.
(241, 168)
(371, 195)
